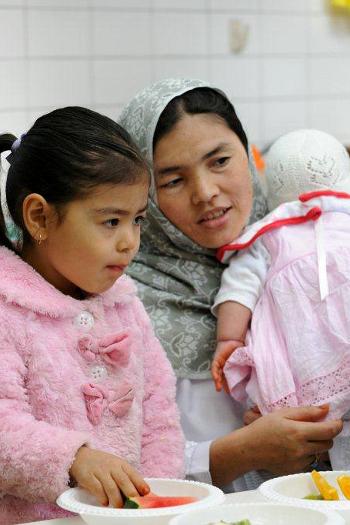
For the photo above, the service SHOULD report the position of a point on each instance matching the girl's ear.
(37, 216)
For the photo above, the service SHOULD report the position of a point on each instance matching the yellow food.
(344, 484)
(327, 491)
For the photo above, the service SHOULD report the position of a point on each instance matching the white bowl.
(81, 502)
(260, 514)
(292, 489)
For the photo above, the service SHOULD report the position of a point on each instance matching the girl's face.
(96, 240)
(202, 178)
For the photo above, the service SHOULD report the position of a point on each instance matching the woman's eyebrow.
(173, 169)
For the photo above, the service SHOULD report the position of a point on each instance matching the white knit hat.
(305, 160)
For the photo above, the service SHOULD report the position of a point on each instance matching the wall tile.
(13, 84)
(12, 33)
(119, 33)
(185, 68)
(180, 4)
(332, 116)
(250, 116)
(279, 117)
(179, 34)
(59, 82)
(283, 77)
(14, 121)
(283, 34)
(329, 76)
(330, 34)
(117, 81)
(58, 33)
(238, 77)
(237, 5)
(219, 33)
(121, 4)
(287, 6)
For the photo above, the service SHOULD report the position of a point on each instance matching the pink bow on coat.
(98, 398)
(114, 349)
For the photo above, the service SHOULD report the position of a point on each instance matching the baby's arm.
(241, 285)
(232, 326)
(163, 444)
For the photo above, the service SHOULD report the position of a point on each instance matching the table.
(250, 496)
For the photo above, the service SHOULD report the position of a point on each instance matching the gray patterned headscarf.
(177, 279)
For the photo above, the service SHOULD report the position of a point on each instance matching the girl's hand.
(106, 476)
(223, 351)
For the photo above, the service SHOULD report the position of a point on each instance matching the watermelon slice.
(152, 501)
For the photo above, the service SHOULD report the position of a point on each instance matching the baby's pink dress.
(298, 347)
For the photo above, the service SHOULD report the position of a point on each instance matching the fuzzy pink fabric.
(65, 382)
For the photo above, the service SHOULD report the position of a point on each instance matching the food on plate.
(314, 496)
(344, 484)
(242, 522)
(328, 492)
(152, 501)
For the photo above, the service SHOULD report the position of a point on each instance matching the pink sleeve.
(35, 457)
(163, 445)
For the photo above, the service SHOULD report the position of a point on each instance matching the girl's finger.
(95, 487)
(125, 485)
(137, 480)
(112, 490)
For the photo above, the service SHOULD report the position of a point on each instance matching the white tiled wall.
(294, 70)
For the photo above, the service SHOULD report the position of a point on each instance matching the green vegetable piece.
(314, 496)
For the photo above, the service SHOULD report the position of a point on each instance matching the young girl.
(292, 271)
(87, 396)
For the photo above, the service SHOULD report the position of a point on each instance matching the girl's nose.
(128, 240)
(204, 188)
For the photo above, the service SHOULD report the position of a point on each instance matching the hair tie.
(17, 143)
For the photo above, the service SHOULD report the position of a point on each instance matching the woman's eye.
(111, 223)
(139, 220)
(172, 183)
(222, 161)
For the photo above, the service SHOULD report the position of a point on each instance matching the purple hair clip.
(17, 143)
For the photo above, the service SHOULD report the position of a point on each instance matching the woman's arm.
(283, 442)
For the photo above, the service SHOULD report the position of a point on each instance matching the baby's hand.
(106, 476)
(223, 351)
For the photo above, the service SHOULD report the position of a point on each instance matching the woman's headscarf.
(177, 279)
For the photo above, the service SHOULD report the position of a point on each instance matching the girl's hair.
(63, 156)
(199, 100)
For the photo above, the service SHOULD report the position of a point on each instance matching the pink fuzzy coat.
(72, 373)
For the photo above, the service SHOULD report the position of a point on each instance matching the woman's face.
(202, 178)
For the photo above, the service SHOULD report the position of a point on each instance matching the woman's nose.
(204, 188)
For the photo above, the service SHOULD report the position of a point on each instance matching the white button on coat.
(98, 372)
(84, 320)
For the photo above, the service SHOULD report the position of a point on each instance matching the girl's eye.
(111, 223)
(139, 220)
(222, 161)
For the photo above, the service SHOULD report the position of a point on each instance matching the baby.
(291, 271)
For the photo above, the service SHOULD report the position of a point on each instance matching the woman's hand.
(106, 476)
(283, 442)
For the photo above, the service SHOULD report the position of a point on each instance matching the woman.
(204, 191)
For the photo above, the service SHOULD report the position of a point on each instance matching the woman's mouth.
(214, 218)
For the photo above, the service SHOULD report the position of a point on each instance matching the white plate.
(260, 514)
(80, 502)
(292, 489)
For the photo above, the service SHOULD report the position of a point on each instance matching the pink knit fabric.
(65, 382)
(298, 348)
